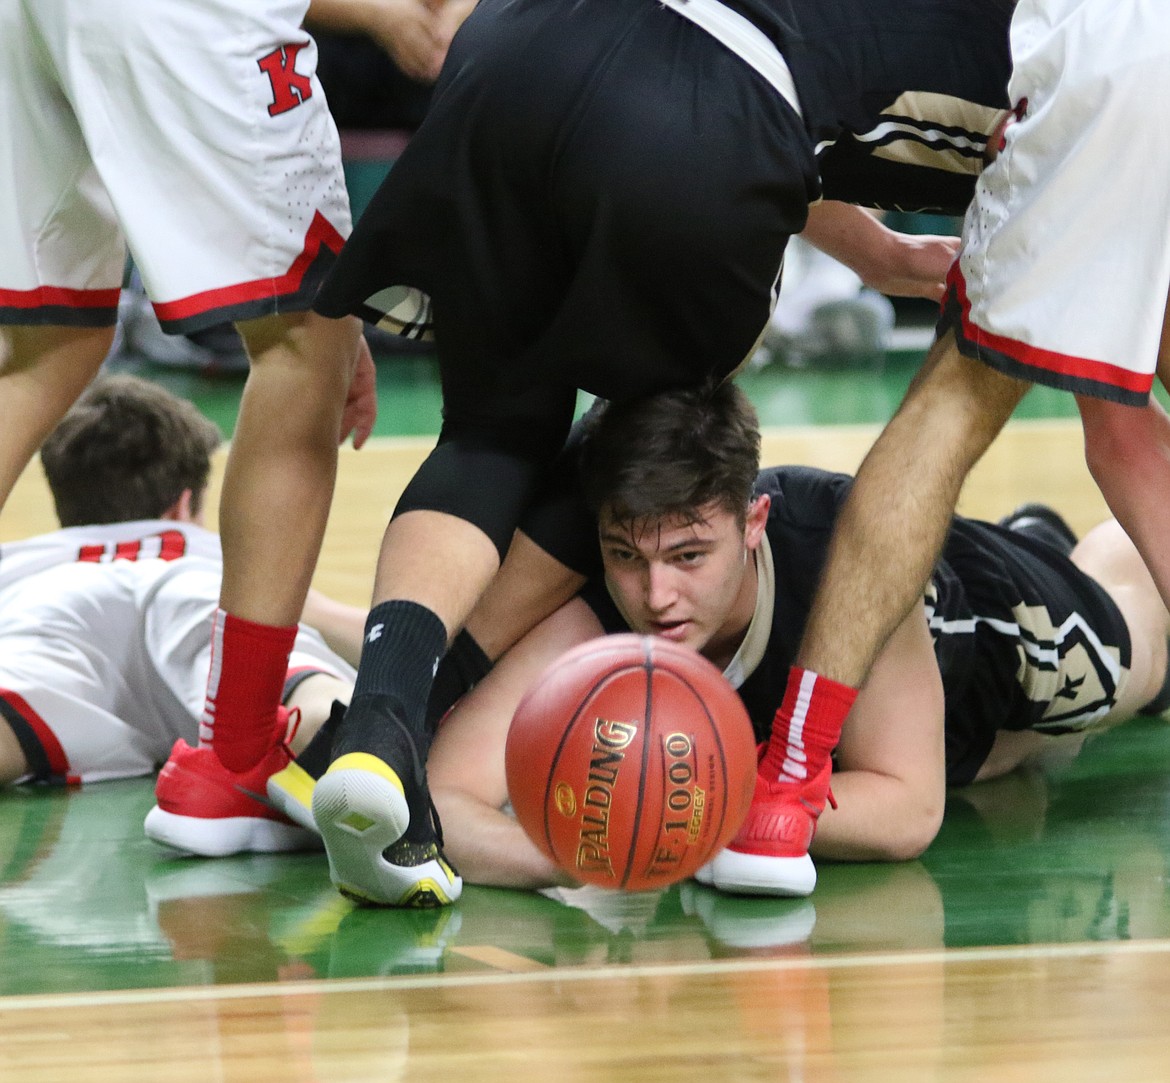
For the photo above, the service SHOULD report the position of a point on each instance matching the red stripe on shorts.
(321, 234)
(58, 761)
(59, 297)
(1034, 357)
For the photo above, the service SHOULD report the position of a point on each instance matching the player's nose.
(661, 590)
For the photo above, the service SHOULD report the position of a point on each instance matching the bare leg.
(372, 806)
(42, 372)
(435, 560)
(892, 527)
(886, 541)
(314, 697)
(278, 485)
(276, 496)
(13, 763)
(529, 586)
(1107, 554)
(1128, 452)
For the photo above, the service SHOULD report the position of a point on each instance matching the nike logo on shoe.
(262, 799)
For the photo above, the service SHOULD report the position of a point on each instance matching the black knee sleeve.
(558, 519)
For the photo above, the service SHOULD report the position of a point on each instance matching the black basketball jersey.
(1023, 638)
(898, 96)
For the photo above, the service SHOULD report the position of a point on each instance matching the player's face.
(690, 582)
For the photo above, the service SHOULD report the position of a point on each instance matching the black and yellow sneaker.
(374, 812)
(291, 790)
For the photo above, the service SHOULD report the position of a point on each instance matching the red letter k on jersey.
(289, 88)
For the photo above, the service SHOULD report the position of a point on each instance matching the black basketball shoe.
(1041, 522)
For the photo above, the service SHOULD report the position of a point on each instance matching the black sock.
(462, 668)
(387, 715)
(400, 653)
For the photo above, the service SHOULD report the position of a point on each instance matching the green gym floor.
(1072, 853)
(1069, 855)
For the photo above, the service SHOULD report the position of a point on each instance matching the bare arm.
(341, 626)
(410, 31)
(466, 763)
(361, 402)
(898, 264)
(890, 781)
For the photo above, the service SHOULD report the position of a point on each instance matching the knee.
(318, 345)
(13, 764)
(1115, 436)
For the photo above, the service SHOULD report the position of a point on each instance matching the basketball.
(630, 762)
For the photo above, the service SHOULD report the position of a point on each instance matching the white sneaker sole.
(360, 809)
(752, 874)
(749, 922)
(226, 836)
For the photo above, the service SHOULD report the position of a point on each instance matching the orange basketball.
(631, 762)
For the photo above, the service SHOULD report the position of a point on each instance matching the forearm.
(343, 16)
(899, 264)
(878, 818)
(414, 33)
(341, 626)
(490, 847)
(314, 697)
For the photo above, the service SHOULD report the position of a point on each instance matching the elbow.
(926, 827)
(894, 833)
(912, 845)
(913, 835)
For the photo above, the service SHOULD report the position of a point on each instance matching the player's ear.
(757, 520)
(183, 509)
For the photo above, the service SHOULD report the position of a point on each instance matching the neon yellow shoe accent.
(426, 894)
(297, 783)
(363, 761)
(357, 821)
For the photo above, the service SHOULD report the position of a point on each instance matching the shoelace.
(292, 723)
(762, 747)
(435, 821)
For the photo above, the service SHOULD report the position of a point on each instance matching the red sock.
(249, 663)
(807, 727)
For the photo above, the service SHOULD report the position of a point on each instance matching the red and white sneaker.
(769, 855)
(203, 808)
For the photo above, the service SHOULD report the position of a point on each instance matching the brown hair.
(126, 450)
(671, 454)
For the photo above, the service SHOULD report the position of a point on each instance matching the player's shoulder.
(803, 494)
(136, 540)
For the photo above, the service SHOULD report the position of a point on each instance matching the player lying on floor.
(1018, 641)
(105, 625)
